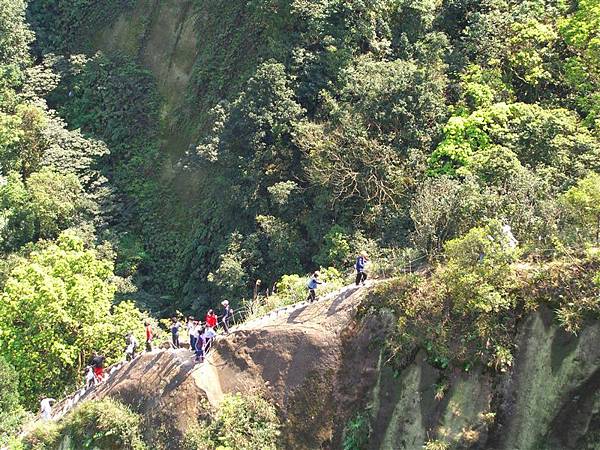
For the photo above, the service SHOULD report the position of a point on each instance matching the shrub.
(242, 422)
(336, 248)
(106, 424)
(479, 269)
(582, 206)
(436, 445)
(69, 289)
(571, 287)
(356, 433)
(11, 411)
(44, 435)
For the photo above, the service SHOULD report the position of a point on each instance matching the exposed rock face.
(163, 37)
(321, 367)
(550, 400)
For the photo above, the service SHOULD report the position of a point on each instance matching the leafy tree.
(233, 273)
(15, 35)
(479, 270)
(444, 208)
(582, 203)
(11, 410)
(335, 251)
(400, 100)
(551, 141)
(40, 208)
(283, 246)
(24, 140)
(580, 32)
(241, 422)
(56, 309)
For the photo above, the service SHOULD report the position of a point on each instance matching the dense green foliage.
(321, 122)
(315, 129)
(240, 422)
(105, 424)
(11, 411)
(408, 122)
(356, 433)
(57, 276)
(56, 309)
(465, 312)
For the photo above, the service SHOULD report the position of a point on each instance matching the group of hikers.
(201, 333)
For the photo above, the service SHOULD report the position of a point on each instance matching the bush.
(242, 422)
(45, 435)
(336, 248)
(436, 445)
(106, 424)
(68, 288)
(582, 207)
(356, 433)
(479, 269)
(11, 411)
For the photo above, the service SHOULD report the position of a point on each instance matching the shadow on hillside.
(333, 308)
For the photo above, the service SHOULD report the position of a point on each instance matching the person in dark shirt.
(200, 343)
(361, 275)
(227, 315)
(175, 326)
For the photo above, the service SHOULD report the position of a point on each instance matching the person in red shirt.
(149, 337)
(97, 364)
(211, 319)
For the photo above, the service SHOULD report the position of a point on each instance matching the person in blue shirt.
(361, 262)
(312, 286)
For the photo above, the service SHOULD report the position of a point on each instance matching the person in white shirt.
(46, 408)
(209, 335)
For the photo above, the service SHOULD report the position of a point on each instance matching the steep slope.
(321, 367)
(293, 356)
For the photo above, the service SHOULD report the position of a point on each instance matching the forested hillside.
(311, 129)
(288, 136)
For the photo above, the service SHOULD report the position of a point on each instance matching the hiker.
(175, 326)
(211, 319)
(149, 336)
(361, 262)
(97, 364)
(208, 336)
(131, 345)
(199, 349)
(90, 379)
(227, 315)
(191, 326)
(312, 286)
(46, 408)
